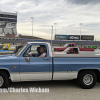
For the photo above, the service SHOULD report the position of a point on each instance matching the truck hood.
(7, 60)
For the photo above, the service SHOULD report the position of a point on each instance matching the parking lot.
(58, 90)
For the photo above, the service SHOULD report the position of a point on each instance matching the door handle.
(45, 59)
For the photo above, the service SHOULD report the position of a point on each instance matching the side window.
(75, 50)
(34, 51)
(72, 45)
(26, 54)
(69, 45)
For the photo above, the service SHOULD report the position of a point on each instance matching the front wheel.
(87, 79)
(4, 80)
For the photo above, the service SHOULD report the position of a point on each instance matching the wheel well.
(6, 71)
(96, 71)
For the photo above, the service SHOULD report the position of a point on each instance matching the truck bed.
(67, 66)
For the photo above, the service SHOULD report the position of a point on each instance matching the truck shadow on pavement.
(49, 84)
(45, 84)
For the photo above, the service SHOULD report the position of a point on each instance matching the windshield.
(66, 50)
(19, 51)
(65, 45)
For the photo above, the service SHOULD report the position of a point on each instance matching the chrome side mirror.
(27, 59)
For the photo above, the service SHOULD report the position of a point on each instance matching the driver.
(43, 53)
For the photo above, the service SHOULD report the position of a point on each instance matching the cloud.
(48, 12)
(83, 2)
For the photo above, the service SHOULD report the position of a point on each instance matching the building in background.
(8, 24)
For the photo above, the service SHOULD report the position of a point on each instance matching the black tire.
(92, 77)
(5, 79)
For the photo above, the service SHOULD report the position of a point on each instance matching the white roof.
(38, 42)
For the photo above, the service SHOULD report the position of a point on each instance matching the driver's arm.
(41, 56)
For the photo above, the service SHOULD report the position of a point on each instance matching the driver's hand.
(30, 55)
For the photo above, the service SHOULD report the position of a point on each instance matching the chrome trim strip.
(66, 72)
(34, 72)
(44, 72)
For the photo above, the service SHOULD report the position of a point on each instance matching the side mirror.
(27, 59)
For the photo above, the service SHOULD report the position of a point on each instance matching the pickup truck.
(76, 50)
(71, 45)
(21, 67)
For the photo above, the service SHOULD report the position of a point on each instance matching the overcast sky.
(66, 13)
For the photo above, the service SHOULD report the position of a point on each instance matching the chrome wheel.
(1, 81)
(88, 79)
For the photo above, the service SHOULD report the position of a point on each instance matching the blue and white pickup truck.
(21, 67)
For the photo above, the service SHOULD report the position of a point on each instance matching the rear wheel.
(87, 79)
(4, 80)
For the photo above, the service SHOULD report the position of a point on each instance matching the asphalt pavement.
(58, 90)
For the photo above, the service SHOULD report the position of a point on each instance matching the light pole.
(51, 36)
(32, 25)
(80, 29)
(55, 27)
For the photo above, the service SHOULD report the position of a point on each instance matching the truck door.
(34, 68)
